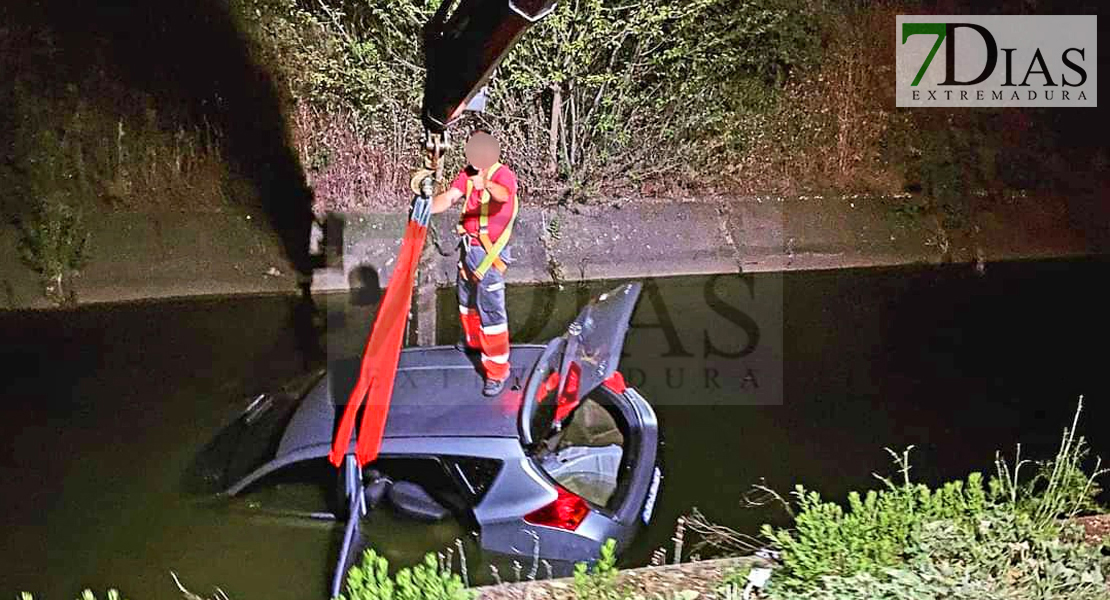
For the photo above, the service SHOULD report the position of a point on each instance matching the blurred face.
(482, 150)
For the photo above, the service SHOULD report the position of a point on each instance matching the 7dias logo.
(1002, 60)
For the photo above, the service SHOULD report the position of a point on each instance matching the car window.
(538, 407)
(575, 364)
(302, 489)
(430, 473)
(252, 439)
(586, 455)
(475, 475)
(544, 402)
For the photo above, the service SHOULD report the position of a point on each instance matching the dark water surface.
(803, 377)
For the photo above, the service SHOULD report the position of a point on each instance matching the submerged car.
(564, 458)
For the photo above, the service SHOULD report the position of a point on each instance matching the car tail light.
(568, 399)
(566, 512)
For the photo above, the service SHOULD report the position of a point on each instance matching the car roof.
(437, 407)
(438, 393)
(436, 399)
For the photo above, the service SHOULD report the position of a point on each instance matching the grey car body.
(491, 462)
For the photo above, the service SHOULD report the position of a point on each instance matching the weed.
(55, 244)
(85, 595)
(429, 580)
(1059, 488)
(1002, 538)
(602, 581)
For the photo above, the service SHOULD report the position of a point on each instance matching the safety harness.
(493, 249)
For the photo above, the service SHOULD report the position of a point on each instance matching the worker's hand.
(421, 210)
(428, 187)
(419, 179)
(479, 181)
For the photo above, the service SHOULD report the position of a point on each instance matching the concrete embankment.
(138, 255)
(703, 577)
(143, 255)
(657, 239)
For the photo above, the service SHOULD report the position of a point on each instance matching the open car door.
(596, 337)
(576, 363)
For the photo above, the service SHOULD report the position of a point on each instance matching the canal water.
(776, 379)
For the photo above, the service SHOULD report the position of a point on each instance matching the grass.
(600, 582)
(1006, 536)
(55, 244)
(429, 580)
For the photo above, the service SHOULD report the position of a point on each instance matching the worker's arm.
(446, 198)
(502, 186)
(443, 201)
(497, 191)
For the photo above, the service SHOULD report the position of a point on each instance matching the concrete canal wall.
(666, 581)
(166, 254)
(751, 235)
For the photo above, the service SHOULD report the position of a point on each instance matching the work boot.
(492, 387)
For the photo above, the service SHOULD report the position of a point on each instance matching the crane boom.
(461, 50)
(464, 46)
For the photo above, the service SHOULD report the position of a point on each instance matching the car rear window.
(585, 454)
(578, 442)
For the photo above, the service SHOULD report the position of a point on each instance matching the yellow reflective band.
(493, 251)
(483, 200)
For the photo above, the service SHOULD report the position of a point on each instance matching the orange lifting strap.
(379, 359)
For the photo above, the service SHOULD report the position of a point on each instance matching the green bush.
(55, 244)
(646, 98)
(598, 96)
(878, 530)
(370, 580)
(603, 95)
(1001, 556)
(1004, 538)
(600, 582)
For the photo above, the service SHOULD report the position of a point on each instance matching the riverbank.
(697, 579)
(142, 255)
(704, 579)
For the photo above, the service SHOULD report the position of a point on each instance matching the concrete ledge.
(134, 255)
(152, 255)
(649, 582)
(659, 239)
(641, 240)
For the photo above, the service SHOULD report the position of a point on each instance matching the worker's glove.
(421, 210)
(422, 181)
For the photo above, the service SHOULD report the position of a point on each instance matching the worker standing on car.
(485, 224)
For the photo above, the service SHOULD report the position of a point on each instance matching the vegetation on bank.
(429, 580)
(658, 98)
(55, 245)
(1011, 535)
(596, 99)
(294, 106)
(651, 98)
